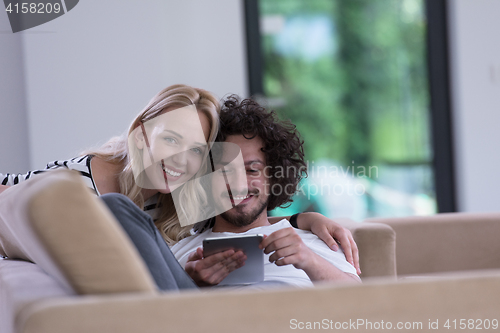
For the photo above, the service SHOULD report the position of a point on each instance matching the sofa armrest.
(445, 242)
(377, 247)
(415, 302)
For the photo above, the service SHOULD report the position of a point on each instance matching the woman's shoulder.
(82, 164)
(75, 162)
(105, 175)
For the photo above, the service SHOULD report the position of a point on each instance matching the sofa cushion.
(21, 284)
(85, 240)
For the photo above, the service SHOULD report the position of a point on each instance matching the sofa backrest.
(445, 242)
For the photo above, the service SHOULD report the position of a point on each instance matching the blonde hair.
(118, 152)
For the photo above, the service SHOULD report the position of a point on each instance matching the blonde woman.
(162, 152)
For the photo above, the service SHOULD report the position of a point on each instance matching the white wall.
(89, 72)
(14, 140)
(475, 66)
(75, 81)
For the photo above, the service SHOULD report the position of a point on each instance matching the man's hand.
(3, 188)
(329, 231)
(213, 269)
(288, 248)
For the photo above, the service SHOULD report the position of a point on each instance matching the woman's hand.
(331, 233)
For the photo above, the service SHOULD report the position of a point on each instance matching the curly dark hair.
(283, 146)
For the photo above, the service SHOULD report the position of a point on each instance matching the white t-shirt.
(272, 273)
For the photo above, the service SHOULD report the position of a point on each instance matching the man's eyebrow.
(180, 136)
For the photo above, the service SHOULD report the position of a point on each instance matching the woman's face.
(176, 140)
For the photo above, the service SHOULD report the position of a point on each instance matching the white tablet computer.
(253, 270)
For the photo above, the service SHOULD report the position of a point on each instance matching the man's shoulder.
(282, 224)
(186, 246)
(188, 241)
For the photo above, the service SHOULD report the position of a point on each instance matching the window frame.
(438, 64)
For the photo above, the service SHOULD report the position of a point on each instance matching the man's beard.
(237, 217)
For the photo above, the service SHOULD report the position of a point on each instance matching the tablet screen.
(253, 270)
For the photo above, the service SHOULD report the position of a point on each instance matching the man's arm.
(319, 269)
(329, 232)
(289, 249)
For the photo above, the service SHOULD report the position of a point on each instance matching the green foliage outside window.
(352, 75)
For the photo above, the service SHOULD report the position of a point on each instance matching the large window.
(352, 75)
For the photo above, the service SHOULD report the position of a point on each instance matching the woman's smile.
(171, 171)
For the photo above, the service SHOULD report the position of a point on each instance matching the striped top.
(80, 164)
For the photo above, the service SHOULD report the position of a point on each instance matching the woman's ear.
(139, 138)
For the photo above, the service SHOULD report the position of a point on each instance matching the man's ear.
(139, 138)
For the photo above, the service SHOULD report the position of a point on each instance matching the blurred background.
(397, 100)
(352, 75)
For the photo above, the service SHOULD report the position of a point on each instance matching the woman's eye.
(252, 170)
(170, 140)
(197, 151)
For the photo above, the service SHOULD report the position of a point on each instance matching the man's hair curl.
(283, 146)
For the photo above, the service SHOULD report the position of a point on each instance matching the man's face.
(251, 204)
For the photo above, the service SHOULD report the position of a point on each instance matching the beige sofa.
(89, 278)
